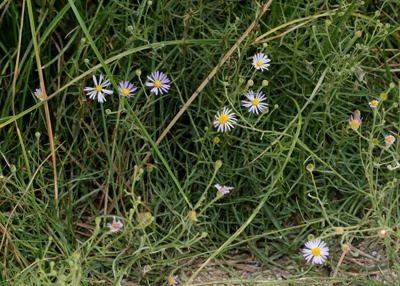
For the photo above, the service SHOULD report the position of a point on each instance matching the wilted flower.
(339, 230)
(116, 225)
(223, 190)
(355, 120)
(39, 94)
(173, 280)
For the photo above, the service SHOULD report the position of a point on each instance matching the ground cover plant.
(199, 142)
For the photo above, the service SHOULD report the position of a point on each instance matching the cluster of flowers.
(157, 81)
(355, 121)
(315, 251)
(226, 119)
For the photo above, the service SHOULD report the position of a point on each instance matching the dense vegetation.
(298, 170)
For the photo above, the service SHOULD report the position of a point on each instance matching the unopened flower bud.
(346, 247)
(310, 167)
(339, 230)
(382, 233)
(218, 164)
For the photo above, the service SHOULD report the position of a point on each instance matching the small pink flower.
(223, 190)
(390, 139)
(116, 225)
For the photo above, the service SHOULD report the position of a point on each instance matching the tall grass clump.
(121, 191)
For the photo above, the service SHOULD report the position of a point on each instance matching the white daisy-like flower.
(373, 103)
(261, 61)
(39, 94)
(116, 225)
(99, 89)
(173, 280)
(256, 103)
(159, 82)
(223, 190)
(126, 89)
(316, 251)
(390, 139)
(224, 120)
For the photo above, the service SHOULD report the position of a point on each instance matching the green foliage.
(334, 57)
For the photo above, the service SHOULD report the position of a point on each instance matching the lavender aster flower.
(256, 103)
(261, 61)
(126, 88)
(116, 225)
(39, 94)
(98, 91)
(223, 190)
(224, 120)
(159, 82)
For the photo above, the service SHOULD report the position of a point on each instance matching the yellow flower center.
(171, 280)
(115, 225)
(98, 88)
(157, 83)
(374, 103)
(125, 91)
(40, 96)
(316, 251)
(259, 64)
(223, 119)
(357, 112)
(255, 102)
(354, 124)
(339, 230)
(193, 214)
(390, 139)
